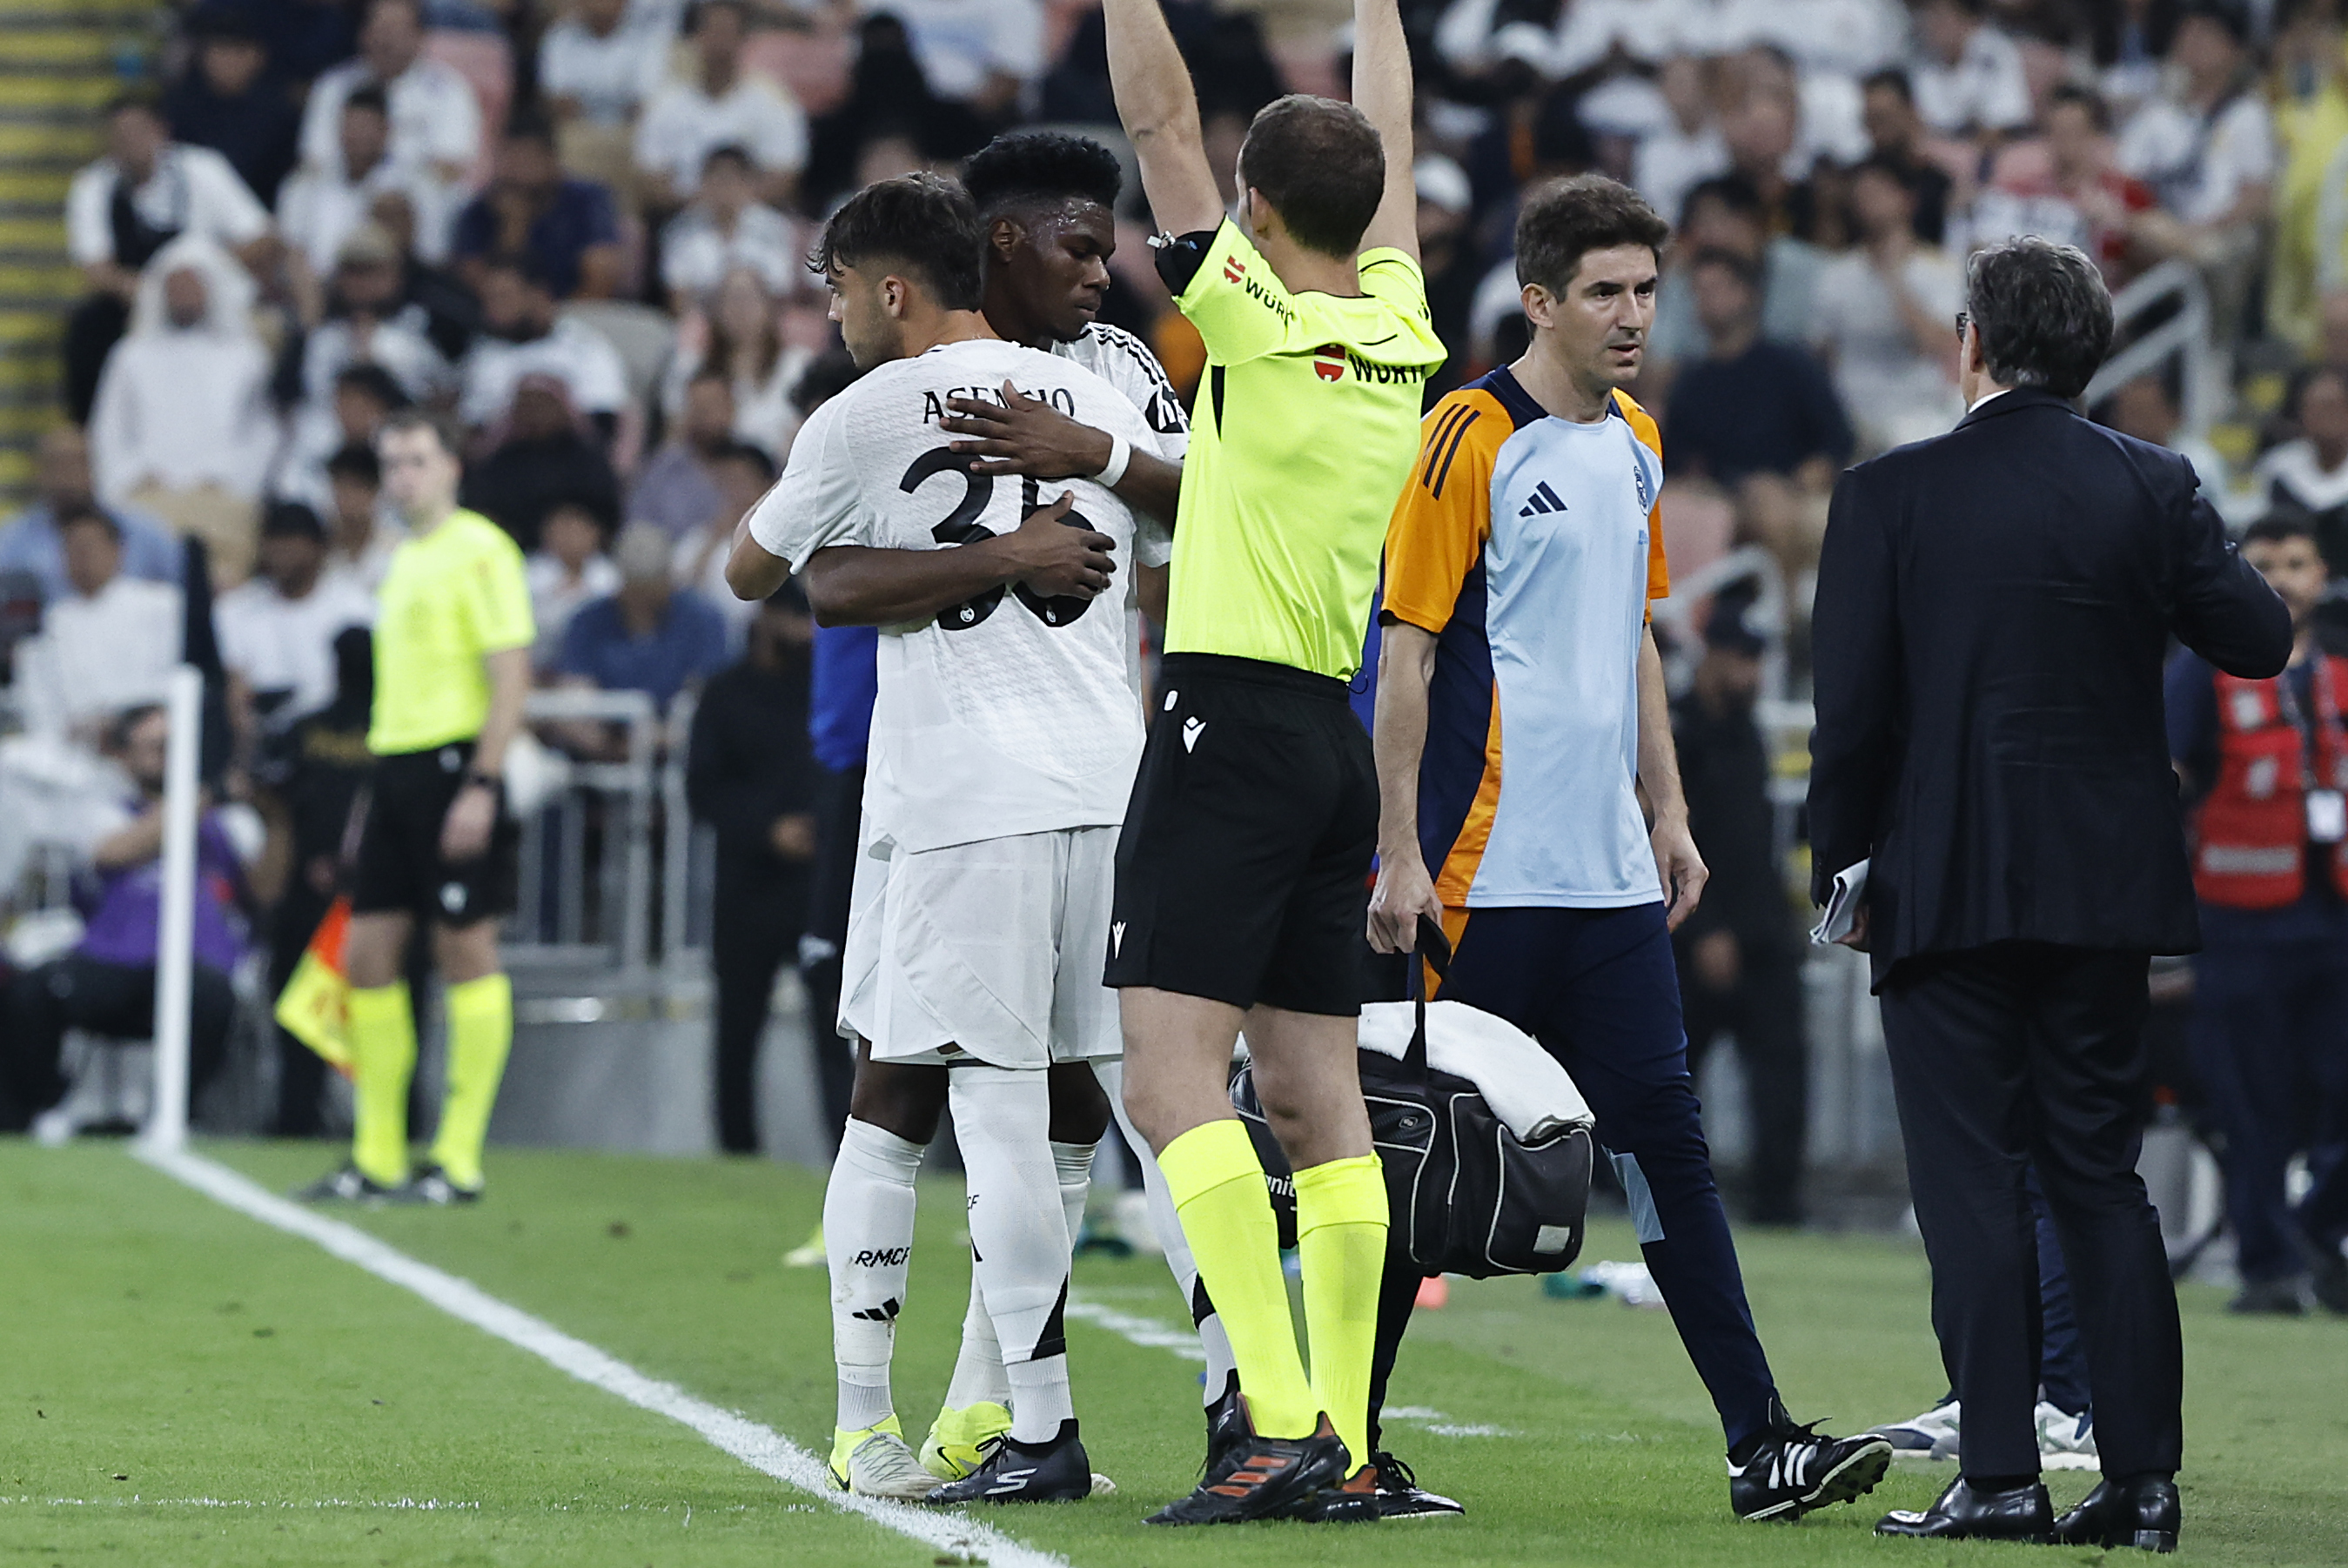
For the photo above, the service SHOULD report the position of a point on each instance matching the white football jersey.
(1009, 713)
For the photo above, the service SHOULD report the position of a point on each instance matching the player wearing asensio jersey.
(1047, 205)
(1242, 878)
(1521, 709)
(1004, 743)
(452, 641)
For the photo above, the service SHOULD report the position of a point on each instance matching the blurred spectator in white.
(544, 453)
(648, 635)
(110, 645)
(726, 228)
(742, 340)
(531, 208)
(521, 335)
(361, 527)
(436, 118)
(123, 210)
(1828, 120)
(982, 52)
(2084, 199)
(720, 103)
(1671, 162)
(568, 568)
(2309, 476)
(1895, 134)
(1762, 128)
(593, 66)
(352, 408)
(2127, 40)
(2146, 409)
(1726, 214)
(183, 426)
(451, 315)
(743, 473)
(1829, 39)
(2206, 147)
(227, 101)
(30, 542)
(676, 488)
(325, 203)
(277, 630)
(1967, 75)
(1886, 315)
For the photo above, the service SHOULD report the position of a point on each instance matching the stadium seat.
(485, 60)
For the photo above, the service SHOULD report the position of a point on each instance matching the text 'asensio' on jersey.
(933, 403)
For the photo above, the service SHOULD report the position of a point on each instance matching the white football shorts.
(992, 949)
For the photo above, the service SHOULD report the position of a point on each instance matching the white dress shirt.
(193, 191)
(436, 116)
(683, 125)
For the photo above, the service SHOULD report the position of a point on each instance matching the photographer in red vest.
(2265, 771)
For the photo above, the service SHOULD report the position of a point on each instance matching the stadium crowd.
(582, 228)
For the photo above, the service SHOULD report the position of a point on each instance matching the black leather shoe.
(2023, 1514)
(2140, 1512)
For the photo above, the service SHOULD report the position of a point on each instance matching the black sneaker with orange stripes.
(1264, 1477)
(1354, 1500)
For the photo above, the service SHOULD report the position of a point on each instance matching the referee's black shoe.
(1264, 1477)
(1227, 1424)
(1056, 1471)
(431, 1186)
(348, 1184)
(1787, 1469)
(1401, 1497)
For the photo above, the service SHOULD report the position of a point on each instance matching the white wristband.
(1120, 453)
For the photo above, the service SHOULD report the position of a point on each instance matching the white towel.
(1526, 1088)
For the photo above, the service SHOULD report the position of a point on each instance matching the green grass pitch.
(180, 1385)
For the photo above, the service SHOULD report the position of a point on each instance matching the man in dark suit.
(1993, 609)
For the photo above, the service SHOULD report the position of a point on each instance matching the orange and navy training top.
(1530, 546)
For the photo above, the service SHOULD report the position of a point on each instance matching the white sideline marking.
(760, 1447)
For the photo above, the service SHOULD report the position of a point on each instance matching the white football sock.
(1018, 1235)
(1221, 1365)
(978, 1369)
(867, 1234)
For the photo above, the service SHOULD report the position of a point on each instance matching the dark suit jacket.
(1993, 607)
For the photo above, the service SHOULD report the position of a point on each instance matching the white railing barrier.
(167, 1123)
(2184, 336)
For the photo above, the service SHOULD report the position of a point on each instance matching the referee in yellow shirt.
(452, 640)
(1242, 871)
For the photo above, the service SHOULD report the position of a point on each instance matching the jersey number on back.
(962, 526)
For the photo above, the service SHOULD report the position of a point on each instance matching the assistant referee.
(452, 637)
(1242, 877)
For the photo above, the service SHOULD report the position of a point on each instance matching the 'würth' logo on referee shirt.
(1544, 500)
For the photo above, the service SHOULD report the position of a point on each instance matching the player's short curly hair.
(1040, 165)
(923, 222)
(1564, 221)
(1322, 167)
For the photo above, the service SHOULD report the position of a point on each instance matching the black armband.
(1180, 257)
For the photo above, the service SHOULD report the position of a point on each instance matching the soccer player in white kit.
(1004, 744)
(1047, 202)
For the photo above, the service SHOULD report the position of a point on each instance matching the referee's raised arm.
(1160, 112)
(1382, 91)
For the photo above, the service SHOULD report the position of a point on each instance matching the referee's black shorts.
(1242, 873)
(399, 863)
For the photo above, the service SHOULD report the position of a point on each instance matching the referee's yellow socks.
(382, 1055)
(1341, 1240)
(480, 1033)
(1216, 1185)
